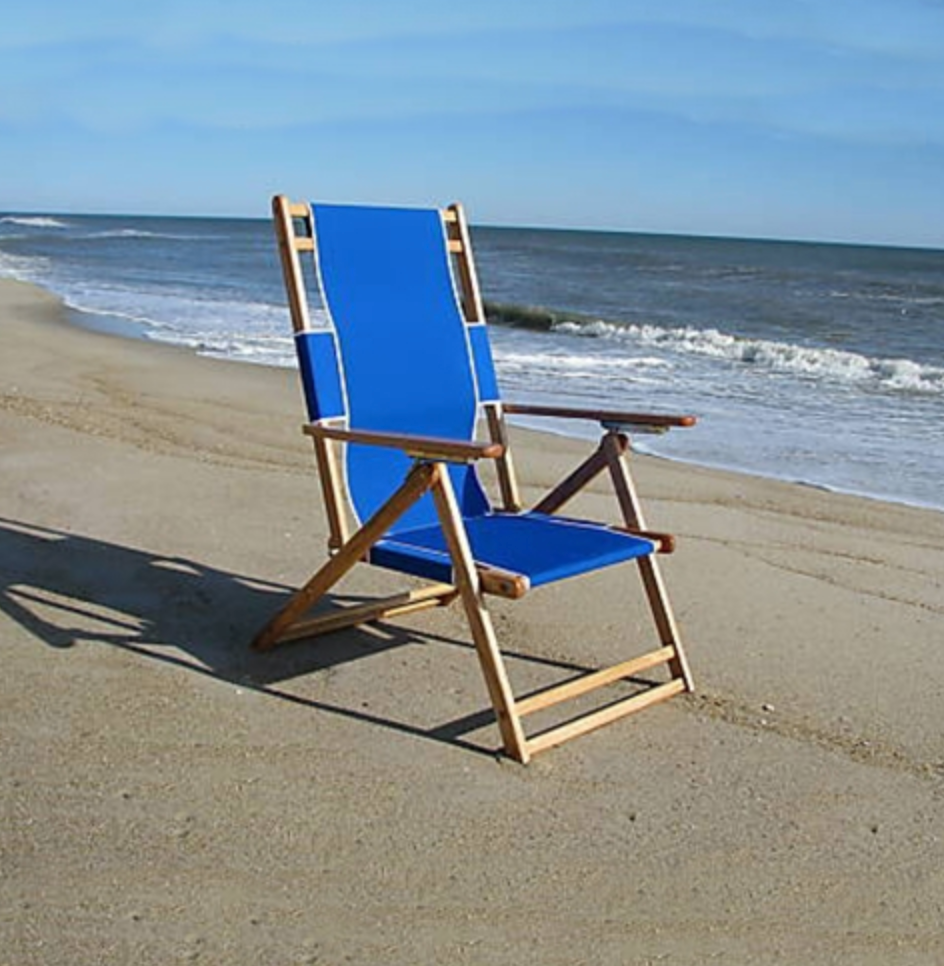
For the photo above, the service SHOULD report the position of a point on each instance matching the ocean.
(816, 363)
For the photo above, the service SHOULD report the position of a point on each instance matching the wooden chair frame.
(295, 232)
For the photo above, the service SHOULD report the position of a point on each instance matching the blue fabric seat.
(539, 547)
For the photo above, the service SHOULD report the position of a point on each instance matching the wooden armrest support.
(609, 419)
(665, 542)
(421, 447)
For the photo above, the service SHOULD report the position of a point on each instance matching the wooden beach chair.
(395, 387)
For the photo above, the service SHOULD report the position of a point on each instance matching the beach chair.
(396, 382)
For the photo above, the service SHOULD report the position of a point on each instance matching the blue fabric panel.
(409, 559)
(484, 366)
(318, 366)
(388, 286)
(541, 548)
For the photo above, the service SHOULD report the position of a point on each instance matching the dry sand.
(169, 797)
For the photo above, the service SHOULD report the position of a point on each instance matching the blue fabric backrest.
(406, 362)
(484, 365)
(321, 379)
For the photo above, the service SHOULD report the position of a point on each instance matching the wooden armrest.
(653, 422)
(422, 447)
(665, 542)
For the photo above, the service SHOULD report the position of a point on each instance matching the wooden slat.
(597, 719)
(303, 244)
(299, 209)
(375, 610)
(590, 682)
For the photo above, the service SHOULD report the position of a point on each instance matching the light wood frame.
(472, 582)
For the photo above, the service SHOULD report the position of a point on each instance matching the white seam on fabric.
(342, 377)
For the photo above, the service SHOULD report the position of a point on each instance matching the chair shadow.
(65, 588)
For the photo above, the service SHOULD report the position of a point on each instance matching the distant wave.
(930, 299)
(140, 233)
(33, 221)
(44, 221)
(127, 233)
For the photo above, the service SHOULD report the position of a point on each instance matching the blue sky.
(819, 119)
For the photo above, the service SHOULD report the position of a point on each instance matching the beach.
(168, 796)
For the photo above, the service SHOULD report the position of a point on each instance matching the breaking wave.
(33, 221)
(833, 365)
(534, 317)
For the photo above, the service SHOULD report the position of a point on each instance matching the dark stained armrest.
(421, 447)
(640, 422)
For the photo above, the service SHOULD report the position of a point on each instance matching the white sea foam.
(835, 365)
(594, 363)
(127, 233)
(272, 350)
(23, 268)
(139, 233)
(33, 221)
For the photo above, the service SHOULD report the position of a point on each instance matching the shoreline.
(169, 796)
(123, 328)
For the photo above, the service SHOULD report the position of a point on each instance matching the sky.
(807, 119)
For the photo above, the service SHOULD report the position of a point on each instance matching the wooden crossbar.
(375, 610)
(597, 719)
(590, 682)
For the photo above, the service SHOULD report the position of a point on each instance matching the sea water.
(817, 363)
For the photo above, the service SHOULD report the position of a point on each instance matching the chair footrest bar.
(597, 719)
(590, 682)
(374, 610)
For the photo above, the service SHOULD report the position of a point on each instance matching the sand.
(167, 796)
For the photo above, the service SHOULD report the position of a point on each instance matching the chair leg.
(480, 622)
(416, 484)
(615, 446)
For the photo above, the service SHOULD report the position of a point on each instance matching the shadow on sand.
(64, 588)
